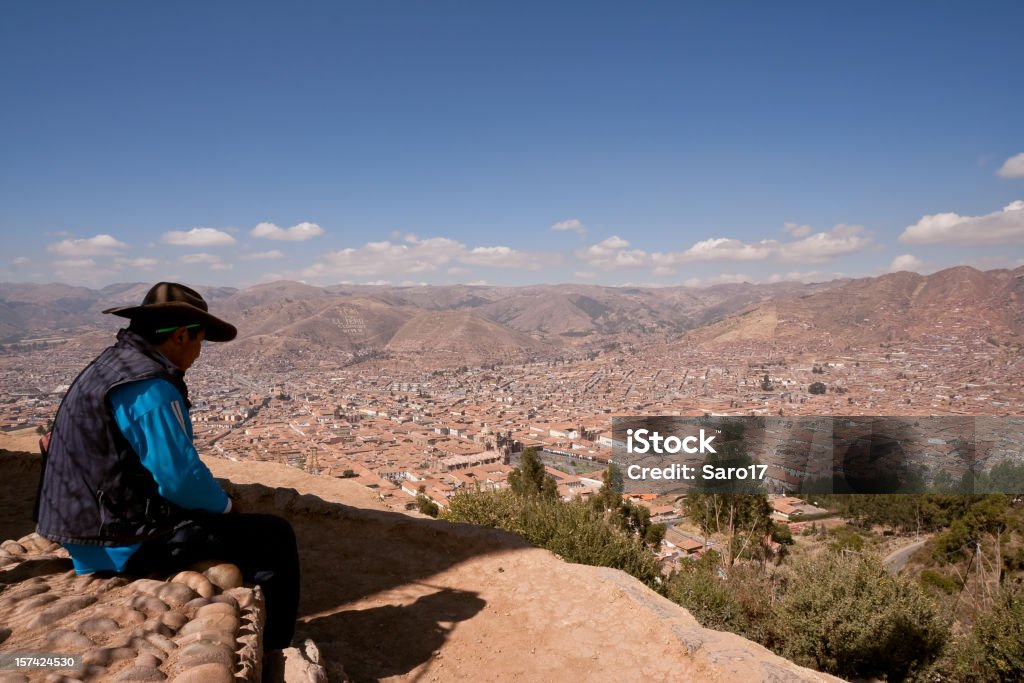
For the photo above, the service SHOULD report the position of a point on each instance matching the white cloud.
(691, 282)
(905, 262)
(100, 245)
(611, 253)
(74, 264)
(809, 276)
(477, 283)
(21, 260)
(262, 255)
(211, 261)
(501, 257)
(584, 274)
(419, 256)
(822, 246)
(816, 248)
(143, 263)
(572, 224)
(797, 230)
(198, 237)
(296, 233)
(723, 249)
(201, 258)
(1013, 167)
(999, 227)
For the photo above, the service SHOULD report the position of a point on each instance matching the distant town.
(401, 428)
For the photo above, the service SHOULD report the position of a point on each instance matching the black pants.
(262, 546)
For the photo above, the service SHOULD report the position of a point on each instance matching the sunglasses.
(171, 329)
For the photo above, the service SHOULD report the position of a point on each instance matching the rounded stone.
(97, 626)
(66, 639)
(11, 677)
(148, 586)
(153, 625)
(216, 608)
(105, 656)
(196, 581)
(243, 596)
(149, 604)
(13, 547)
(224, 576)
(126, 616)
(147, 652)
(147, 660)
(173, 620)
(212, 636)
(206, 673)
(195, 604)
(205, 652)
(27, 591)
(58, 678)
(161, 641)
(35, 602)
(61, 609)
(175, 594)
(214, 622)
(226, 599)
(141, 673)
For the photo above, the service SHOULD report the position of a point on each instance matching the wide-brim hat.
(168, 303)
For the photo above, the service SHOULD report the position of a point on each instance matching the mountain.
(462, 338)
(959, 302)
(471, 324)
(30, 310)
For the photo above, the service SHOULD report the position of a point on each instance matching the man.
(123, 488)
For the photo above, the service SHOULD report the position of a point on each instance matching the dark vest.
(94, 489)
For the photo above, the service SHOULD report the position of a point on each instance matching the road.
(896, 560)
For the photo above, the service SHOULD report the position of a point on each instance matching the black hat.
(171, 303)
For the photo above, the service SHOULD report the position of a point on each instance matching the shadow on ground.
(366, 595)
(393, 640)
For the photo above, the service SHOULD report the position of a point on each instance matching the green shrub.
(947, 584)
(740, 603)
(994, 649)
(573, 530)
(698, 588)
(849, 616)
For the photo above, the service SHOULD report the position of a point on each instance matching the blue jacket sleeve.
(153, 418)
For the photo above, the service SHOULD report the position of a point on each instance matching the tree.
(655, 534)
(425, 504)
(735, 509)
(529, 480)
(994, 649)
(609, 496)
(850, 617)
(818, 388)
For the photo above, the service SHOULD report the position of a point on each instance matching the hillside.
(955, 303)
(462, 339)
(392, 597)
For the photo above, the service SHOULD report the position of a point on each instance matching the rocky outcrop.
(192, 628)
(385, 596)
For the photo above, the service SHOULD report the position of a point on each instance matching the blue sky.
(508, 143)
